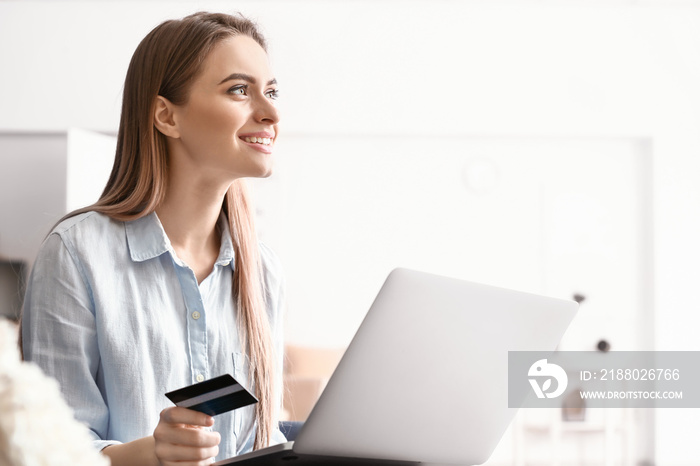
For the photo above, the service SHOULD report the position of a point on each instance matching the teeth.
(256, 140)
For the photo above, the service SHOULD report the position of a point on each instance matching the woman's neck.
(189, 214)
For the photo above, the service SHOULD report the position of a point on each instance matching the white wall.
(447, 68)
(32, 191)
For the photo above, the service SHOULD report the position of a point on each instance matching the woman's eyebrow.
(245, 77)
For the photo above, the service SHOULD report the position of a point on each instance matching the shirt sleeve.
(59, 333)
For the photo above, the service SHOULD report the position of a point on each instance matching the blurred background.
(547, 146)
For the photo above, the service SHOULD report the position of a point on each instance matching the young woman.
(162, 283)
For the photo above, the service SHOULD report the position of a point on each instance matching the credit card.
(214, 396)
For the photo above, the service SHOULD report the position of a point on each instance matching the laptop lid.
(425, 377)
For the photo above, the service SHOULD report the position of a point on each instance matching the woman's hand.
(181, 438)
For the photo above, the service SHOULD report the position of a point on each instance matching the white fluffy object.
(37, 428)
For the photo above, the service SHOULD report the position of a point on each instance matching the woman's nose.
(266, 111)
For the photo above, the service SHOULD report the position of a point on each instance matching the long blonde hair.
(165, 63)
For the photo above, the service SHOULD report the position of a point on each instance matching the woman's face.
(228, 126)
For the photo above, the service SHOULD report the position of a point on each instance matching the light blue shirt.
(118, 319)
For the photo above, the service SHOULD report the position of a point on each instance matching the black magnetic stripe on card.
(176, 396)
(225, 404)
(204, 397)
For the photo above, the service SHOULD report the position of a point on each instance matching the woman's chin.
(259, 172)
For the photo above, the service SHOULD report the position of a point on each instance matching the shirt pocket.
(242, 417)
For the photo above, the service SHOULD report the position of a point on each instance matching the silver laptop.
(424, 380)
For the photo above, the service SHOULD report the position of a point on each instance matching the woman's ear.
(163, 117)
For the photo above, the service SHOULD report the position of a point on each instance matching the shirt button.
(200, 378)
(196, 315)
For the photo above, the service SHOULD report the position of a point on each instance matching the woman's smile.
(262, 141)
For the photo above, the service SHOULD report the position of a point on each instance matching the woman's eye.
(237, 90)
(273, 94)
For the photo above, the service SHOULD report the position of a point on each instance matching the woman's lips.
(262, 141)
(264, 148)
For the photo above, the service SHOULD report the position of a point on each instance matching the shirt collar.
(226, 249)
(147, 239)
